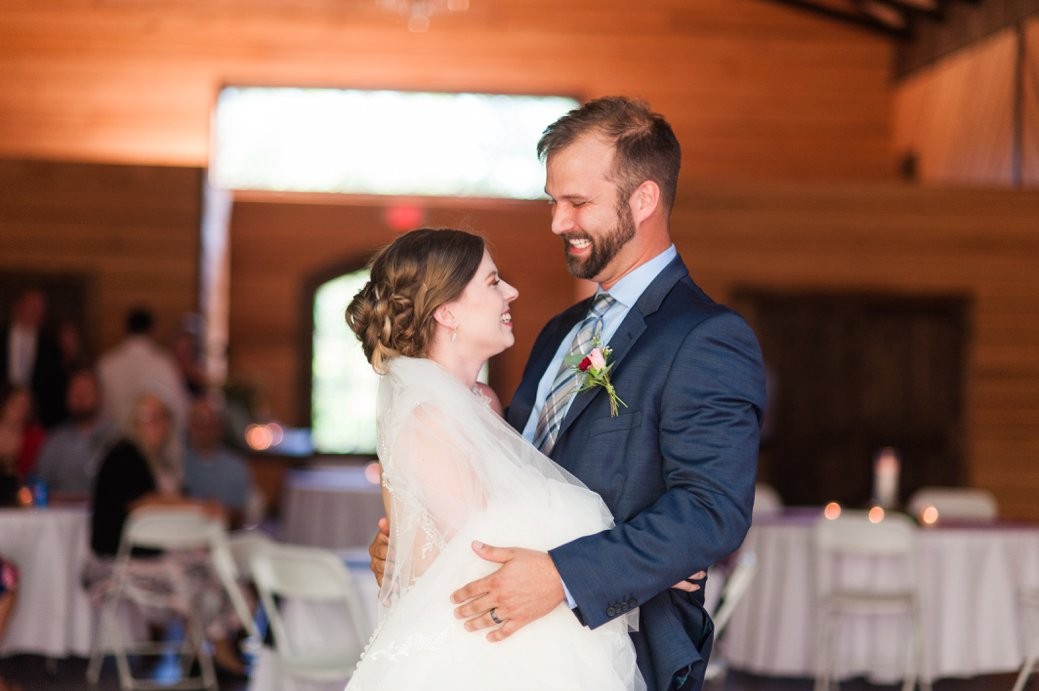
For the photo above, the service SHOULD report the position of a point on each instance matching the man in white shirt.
(140, 365)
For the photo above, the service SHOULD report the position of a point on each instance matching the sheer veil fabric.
(456, 472)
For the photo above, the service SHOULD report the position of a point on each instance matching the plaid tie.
(565, 385)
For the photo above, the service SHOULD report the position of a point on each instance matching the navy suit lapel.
(540, 357)
(630, 330)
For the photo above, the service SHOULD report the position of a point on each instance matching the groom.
(677, 465)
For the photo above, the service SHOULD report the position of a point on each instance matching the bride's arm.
(446, 481)
(434, 490)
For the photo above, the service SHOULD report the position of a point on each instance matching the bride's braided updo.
(420, 271)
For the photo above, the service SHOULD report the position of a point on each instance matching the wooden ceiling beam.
(858, 17)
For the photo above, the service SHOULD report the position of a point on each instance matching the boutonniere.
(594, 370)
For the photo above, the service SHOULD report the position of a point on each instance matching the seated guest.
(20, 435)
(213, 470)
(73, 450)
(187, 353)
(143, 470)
(8, 588)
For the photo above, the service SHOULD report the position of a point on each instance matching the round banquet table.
(53, 615)
(969, 577)
(332, 507)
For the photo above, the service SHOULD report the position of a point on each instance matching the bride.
(454, 472)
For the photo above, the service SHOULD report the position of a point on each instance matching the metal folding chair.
(853, 535)
(167, 529)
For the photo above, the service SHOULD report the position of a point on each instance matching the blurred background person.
(71, 347)
(8, 590)
(213, 470)
(21, 436)
(187, 353)
(136, 365)
(73, 450)
(30, 356)
(144, 469)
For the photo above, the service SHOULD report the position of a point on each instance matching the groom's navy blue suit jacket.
(676, 466)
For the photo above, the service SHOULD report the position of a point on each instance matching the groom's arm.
(707, 438)
(526, 588)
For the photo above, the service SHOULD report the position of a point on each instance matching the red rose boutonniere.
(594, 370)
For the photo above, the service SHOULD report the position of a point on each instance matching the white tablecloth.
(335, 508)
(52, 615)
(969, 577)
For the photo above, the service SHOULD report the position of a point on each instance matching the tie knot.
(602, 303)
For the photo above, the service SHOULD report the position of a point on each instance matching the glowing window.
(373, 143)
(382, 142)
(343, 384)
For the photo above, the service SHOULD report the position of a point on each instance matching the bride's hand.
(379, 549)
(688, 585)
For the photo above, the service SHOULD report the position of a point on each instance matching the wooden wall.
(901, 238)
(131, 232)
(757, 93)
(752, 88)
(272, 277)
(887, 238)
(134, 230)
(973, 117)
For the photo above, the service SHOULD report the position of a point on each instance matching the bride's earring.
(454, 335)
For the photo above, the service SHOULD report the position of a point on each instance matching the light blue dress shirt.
(626, 292)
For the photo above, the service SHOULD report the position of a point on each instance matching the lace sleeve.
(449, 461)
(436, 491)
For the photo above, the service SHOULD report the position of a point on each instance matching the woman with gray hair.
(144, 469)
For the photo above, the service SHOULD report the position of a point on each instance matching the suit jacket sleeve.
(691, 454)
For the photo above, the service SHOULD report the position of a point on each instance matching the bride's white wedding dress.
(456, 472)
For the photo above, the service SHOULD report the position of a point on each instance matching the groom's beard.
(604, 249)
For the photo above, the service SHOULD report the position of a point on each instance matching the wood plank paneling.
(752, 88)
(889, 239)
(971, 117)
(271, 268)
(133, 231)
(980, 244)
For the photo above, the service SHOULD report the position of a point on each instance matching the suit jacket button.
(611, 611)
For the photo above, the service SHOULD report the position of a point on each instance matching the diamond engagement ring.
(494, 616)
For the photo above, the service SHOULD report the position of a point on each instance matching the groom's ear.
(644, 201)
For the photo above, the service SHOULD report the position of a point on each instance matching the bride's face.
(482, 312)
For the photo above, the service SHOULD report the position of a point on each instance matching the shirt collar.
(629, 289)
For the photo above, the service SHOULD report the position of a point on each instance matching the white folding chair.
(735, 585)
(167, 529)
(1030, 599)
(958, 503)
(767, 501)
(241, 546)
(309, 598)
(853, 535)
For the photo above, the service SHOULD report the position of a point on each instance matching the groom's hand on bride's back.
(379, 549)
(525, 588)
(691, 584)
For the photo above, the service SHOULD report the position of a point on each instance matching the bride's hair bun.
(410, 278)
